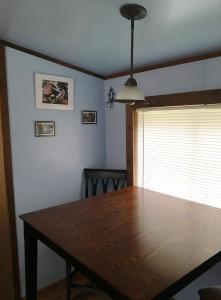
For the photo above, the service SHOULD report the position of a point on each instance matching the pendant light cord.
(132, 49)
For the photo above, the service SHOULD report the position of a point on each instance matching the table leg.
(68, 281)
(30, 263)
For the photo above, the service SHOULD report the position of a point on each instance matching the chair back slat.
(104, 176)
(86, 187)
(122, 184)
(115, 184)
(94, 182)
(105, 182)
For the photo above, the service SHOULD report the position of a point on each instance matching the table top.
(142, 243)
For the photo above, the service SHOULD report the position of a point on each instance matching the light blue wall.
(48, 170)
(194, 76)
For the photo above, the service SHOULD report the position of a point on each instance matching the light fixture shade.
(129, 94)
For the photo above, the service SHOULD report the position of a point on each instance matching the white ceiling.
(93, 35)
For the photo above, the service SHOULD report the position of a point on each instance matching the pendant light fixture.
(130, 93)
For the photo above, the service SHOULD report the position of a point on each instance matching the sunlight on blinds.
(178, 152)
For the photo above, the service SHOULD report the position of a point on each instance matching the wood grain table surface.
(134, 243)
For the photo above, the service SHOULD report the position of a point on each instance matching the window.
(178, 152)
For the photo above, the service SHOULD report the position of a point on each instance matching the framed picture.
(89, 117)
(44, 128)
(54, 92)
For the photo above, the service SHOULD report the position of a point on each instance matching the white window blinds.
(178, 152)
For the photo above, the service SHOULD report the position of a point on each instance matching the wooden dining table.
(133, 243)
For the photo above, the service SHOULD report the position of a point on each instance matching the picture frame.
(44, 128)
(54, 92)
(89, 117)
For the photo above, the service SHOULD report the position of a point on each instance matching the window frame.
(204, 97)
(9, 274)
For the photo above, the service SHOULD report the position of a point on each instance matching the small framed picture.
(44, 128)
(88, 117)
(54, 92)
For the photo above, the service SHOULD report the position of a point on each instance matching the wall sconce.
(110, 97)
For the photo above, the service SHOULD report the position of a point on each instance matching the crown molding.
(145, 68)
(49, 58)
(166, 64)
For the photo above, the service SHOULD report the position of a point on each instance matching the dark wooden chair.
(109, 179)
(96, 180)
(210, 293)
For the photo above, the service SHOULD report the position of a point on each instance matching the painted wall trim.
(49, 58)
(179, 99)
(130, 127)
(8, 247)
(165, 64)
(145, 68)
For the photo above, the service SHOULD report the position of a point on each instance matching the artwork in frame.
(88, 117)
(54, 92)
(44, 128)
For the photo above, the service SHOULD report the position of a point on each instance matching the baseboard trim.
(48, 288)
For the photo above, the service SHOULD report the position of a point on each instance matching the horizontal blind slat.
(178, 152)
